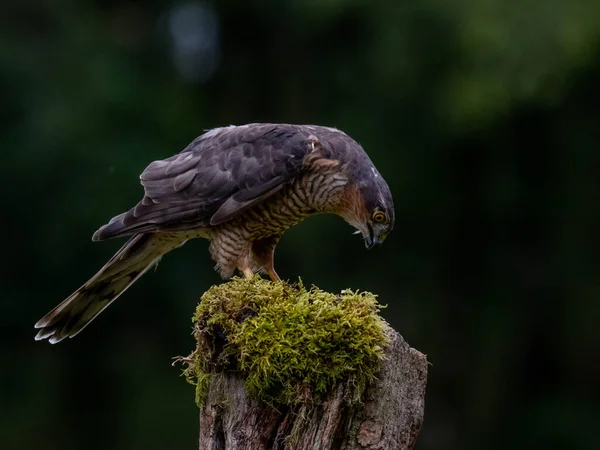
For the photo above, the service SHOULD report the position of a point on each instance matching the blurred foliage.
(482, 116)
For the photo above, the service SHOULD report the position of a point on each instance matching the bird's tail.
(138, 255)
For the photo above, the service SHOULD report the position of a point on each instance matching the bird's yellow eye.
(379, 217)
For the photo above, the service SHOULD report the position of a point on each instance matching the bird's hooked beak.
(371, 241)
(370, 237)
(373, 238)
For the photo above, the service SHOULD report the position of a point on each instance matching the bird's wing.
(218, 176)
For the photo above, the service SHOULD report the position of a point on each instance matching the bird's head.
(371, 209)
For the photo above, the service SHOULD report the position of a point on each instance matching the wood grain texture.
(389, 418)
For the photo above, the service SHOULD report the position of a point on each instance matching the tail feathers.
(138, 255)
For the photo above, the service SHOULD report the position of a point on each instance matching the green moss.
(291, 344)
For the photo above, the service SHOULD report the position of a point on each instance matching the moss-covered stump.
(279, 366)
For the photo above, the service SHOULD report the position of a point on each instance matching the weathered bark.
(389, 418)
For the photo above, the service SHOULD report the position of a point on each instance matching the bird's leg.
(263, 252)
(248, 274)
(271, 272)
(244, 265)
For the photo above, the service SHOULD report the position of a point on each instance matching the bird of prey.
(240, 187)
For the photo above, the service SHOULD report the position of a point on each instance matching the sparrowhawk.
(240, 187)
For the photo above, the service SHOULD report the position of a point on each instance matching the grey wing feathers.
(219, 175)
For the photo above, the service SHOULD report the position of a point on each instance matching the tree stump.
(386, 414)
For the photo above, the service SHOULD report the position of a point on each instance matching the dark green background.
(483, 116)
